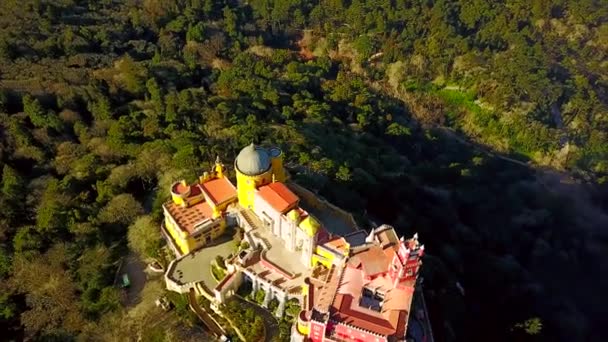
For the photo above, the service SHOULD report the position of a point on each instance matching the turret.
(218, 168)
(371, 236)
(276, 160)
(406, 262)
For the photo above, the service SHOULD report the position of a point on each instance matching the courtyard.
(284, 260)
(195, 267)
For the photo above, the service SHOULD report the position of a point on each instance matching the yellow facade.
(187, 243)
(180, 237)
(318, 259)
(276, 162)
(325, 257)
(247, 185)
(179, 199)
(310, 226)
(303, 327)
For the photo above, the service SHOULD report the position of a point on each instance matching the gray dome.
(252, 160)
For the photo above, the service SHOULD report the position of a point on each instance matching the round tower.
(253, 169)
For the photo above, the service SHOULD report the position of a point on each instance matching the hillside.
(481, 125)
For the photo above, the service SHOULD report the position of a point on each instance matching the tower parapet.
(406, 262)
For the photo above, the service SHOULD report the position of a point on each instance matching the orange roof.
(278, 196)
(219, 190)
(186, 218)
(390, 321)
(337, 244)
(373, 260)
(182, 189)
(345, 310)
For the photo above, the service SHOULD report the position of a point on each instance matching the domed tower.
(253, 169)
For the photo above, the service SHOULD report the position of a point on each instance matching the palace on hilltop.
(355, 287)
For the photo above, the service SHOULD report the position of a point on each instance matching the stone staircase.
(249, 217)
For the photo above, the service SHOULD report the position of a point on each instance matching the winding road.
(211, 325)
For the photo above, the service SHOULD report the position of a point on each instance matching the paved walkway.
(195, 267)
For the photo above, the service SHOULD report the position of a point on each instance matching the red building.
(365, 296)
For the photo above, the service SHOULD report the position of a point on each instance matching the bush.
(218, 273)
(220, 262)
(259, 296)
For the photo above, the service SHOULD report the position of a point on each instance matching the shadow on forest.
(511, 235)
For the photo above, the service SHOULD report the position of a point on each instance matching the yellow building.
(256, 166)
(195, 214)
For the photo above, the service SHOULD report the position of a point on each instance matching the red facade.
(355, 335)
(317, 331)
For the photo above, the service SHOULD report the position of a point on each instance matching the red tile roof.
(372, 260)
(345, 312)
(390, 321)
(182, 189)
(278, 196)
(219, 190)
(187, 217)
(338, 244)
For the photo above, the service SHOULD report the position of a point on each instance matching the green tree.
(51, 213)
(397, 130)
(38, 116)
(532, 326)
(5, 262)
(8, 308)
(230, 22)
(100, 107)
(133, 75)
(6, 49)
(364, 46)
(259, 296)
(196, 32)
(172, 102)
(52, 308)
(156, 95)
(343, 173)
(122, 209)
(144, 237)
(13, 193)
(27, 240)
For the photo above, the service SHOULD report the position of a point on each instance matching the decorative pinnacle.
(370, 237)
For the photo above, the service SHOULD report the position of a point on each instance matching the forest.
(481, 125)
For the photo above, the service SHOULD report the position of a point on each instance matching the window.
(371, 299)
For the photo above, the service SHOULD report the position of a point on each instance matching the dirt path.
(134, 268)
